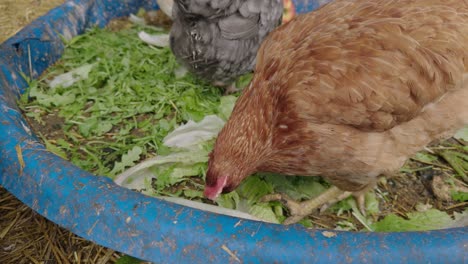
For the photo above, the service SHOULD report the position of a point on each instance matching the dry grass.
(15, 14)
(25, 236)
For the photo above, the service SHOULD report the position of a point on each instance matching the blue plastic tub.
(99, 210)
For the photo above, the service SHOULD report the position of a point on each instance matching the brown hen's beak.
(212, 192)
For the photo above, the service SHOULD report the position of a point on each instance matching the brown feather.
(349, 92)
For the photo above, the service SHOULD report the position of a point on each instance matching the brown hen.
(348, 92)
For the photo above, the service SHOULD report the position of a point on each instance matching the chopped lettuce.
(430, 219)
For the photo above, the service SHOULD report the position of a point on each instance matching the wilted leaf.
(417, 221)
(462, 134)
(264, 212)
(226, 105)
(128, 159)
(460, 196)
(425, 157)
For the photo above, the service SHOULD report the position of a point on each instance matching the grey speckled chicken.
(218, 39)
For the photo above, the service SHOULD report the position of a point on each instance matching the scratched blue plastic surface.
(97, 209)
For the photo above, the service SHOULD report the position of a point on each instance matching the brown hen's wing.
(371, 66)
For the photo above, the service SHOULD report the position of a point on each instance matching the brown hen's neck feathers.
(245, 141)
(265, 133)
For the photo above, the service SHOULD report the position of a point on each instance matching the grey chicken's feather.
(237, 27)
(208, 8)
(218, 39)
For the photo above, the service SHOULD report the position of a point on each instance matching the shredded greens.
(122, 101)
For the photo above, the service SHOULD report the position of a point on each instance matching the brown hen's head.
(242, 145)
(225, 174)
(222, 175)
(217, 183)
(229, 164)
